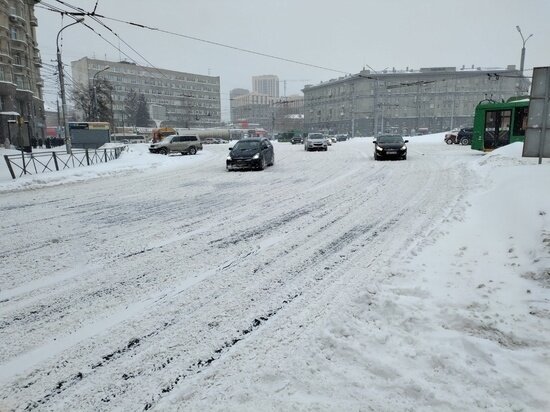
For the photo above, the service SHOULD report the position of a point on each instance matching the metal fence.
(42, 162)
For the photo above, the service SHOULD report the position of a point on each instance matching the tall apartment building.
(175, 99)
(434, 99)
(266, 84)
(20, 81)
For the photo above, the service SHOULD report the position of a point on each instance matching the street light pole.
(62, 86)
(95, 92)
(522, 61)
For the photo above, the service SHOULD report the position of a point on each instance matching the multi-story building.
(175, 99)
(266, 84)
(408, 101)
(289, 113)
(253, 108)
(20, 82)
(276, 115)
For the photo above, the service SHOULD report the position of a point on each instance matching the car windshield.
(390, 139)
(247, 144)
(316, 136)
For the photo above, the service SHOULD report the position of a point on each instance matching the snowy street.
(329, 281)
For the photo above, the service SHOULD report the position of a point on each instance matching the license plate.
(391, 152)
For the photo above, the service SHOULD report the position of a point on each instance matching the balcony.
(15, 19)
(34, 21)
(18, 44)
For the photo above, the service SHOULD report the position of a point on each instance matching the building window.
(13, 33)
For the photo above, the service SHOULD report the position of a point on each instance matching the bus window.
(520, 121)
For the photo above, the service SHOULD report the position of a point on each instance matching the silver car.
(184, 144)
(315, 141)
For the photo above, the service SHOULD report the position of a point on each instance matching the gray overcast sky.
(342, 35)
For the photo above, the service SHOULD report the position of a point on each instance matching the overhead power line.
(82, 12)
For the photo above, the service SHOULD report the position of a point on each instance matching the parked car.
(184, 144)
(341, 137)
(464, 136)
(251, 153)
(297, 140)
(450, 137)
(315, 141)
(390, 146)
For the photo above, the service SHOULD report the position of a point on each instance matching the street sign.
(537, 136)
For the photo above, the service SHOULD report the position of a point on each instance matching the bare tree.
(95, 103)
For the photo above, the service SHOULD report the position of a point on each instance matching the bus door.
(497, 128)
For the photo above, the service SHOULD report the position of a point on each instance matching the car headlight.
(379, 148)
(403, 147)
(229, 157)
(256, 156)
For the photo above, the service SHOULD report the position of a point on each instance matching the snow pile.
(135, 159)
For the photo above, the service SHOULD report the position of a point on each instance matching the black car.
(464, 136)
(255, 153)
(297, 140)
(390, 146)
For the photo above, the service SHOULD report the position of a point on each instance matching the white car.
(315, 141)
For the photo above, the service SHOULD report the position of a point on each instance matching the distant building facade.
(175, 99)
(430, 99)
(253, 108)
(266, 84)
(289, 114)
(20, 82)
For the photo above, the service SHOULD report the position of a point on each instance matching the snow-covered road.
(188, 287)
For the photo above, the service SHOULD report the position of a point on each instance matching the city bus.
(499, 124)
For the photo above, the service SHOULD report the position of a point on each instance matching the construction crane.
(291, 80)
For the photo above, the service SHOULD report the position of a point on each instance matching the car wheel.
(262, 164)
(163, 151)
(448, 141)
(272, 160)
(192, 150)
(404, 157)
(464, 141)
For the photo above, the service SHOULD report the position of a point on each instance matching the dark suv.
(297, 140)
(464, 136)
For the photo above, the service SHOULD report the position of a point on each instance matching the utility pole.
(62, 86)
(353, 108)
(522, 61)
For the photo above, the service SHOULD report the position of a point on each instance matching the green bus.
(499, 124)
